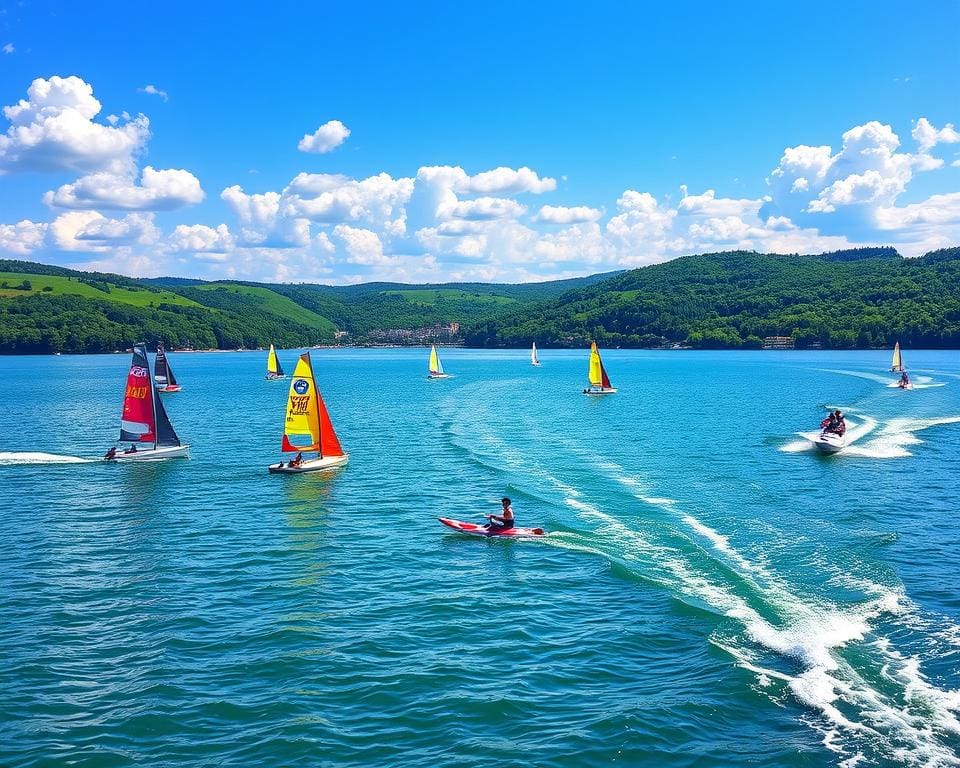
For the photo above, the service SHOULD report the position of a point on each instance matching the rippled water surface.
(711, 592)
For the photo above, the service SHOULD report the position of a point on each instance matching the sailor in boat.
(297, 460)
(904, 380)
(834, 424)
(131, 449)
(111, 453)
(505, 519)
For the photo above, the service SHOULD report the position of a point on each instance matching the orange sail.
(307, 415)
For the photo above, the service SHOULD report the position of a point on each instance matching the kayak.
(482, 530)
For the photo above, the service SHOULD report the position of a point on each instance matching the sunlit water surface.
(712, 592)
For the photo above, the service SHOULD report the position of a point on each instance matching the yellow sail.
(435, 366)
(897, 364)
(273, 364)
(303, 413)
(596, 367)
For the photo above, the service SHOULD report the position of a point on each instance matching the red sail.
(604, 379)
(137, 423)
(329, 444)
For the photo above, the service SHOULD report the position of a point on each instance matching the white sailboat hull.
(309, 465)
(154, 454)
(275, 376)
(829, 442)
(600, 391)
(438, 375)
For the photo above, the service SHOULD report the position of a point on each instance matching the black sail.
(161, 371)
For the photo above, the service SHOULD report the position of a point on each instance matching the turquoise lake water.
(712, 593)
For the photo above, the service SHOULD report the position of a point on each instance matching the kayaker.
(505, 518)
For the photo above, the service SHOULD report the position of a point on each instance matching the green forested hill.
(859, 298)
(862, 297)
(54, 309)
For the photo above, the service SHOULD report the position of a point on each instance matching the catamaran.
(896, 366)
(534, 360)
(163, 372)
(436, 367)
(274, 370)
(307, 417)
(144, 419)
(599, 381)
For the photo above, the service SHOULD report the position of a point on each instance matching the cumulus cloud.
(22, 238)
(199, 238)
(558, 214)
(163, 190)
(154, 91)
(927, 137)
(485, 208)
(53, 130)
(502, 181)
(362, 245)
(333, 198)
(325, 139)
(93, 232)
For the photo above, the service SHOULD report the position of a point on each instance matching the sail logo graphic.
(301, 386)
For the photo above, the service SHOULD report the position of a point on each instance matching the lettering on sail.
(299, 404)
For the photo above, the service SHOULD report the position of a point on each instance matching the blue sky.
(512, 141)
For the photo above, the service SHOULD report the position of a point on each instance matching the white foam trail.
(36, 457)
(892, 440)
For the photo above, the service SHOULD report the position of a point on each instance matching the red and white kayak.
(482, 530)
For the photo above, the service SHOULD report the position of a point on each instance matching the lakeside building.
(778, 342)
(427, 334)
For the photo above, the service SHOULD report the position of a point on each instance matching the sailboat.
(436, 367)
(534, 360)
(144, 419)
(163, 372)
(599, 381)
(307, 417)
(274, 370)
(896, 366)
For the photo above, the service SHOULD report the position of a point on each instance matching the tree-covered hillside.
(860, 298)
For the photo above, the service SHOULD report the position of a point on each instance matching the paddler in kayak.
(505, 518)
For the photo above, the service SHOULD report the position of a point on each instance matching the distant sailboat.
(896, 366)
(274, 370)
(534, 360)
(307, 417)
(436, 367)
(599, 381)
(163, 372)
(144, 419)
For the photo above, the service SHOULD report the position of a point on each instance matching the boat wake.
(918, 382)
(889, 440)
(869, 700)
(8, 458)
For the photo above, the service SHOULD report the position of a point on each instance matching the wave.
(889, 440)
(8, 458)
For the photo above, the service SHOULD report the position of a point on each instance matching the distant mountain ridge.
(856, 298)
(861, 297)
(46, 308)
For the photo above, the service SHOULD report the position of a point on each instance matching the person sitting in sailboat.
(111, 453)
(904, 380)
(131, 449)
(297, 460)
(505, 519)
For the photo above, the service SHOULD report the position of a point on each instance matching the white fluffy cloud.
(333, 198)
(325, 139)
(53, 130)
(927, 137)
(484, 209)
(362, 245)
(199, 238)
(559, 214)
(502, 181)
(93, 232)
(22, 238)
(163, 190)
